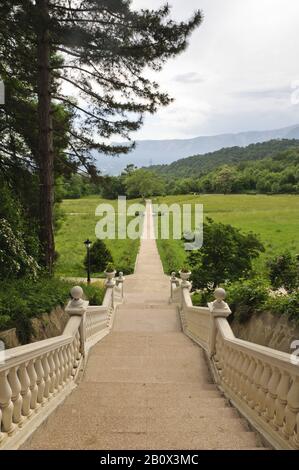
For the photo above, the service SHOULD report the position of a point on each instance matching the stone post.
(77, 307)
(218, 308)
(120, 282)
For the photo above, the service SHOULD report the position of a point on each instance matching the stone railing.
(262, 383)
(36, 378)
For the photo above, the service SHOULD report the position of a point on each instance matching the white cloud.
(237, 72)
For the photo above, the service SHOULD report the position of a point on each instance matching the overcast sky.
(237, 73)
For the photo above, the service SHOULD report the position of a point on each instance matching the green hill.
(199, 165)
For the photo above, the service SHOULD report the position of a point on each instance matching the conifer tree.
(97, 51)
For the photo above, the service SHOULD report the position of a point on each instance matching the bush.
(284, 271)
(225, 256)
(21, 300)
(284, 305)
(94, 293)
(201, 298)
(100, 256)
(246, 297)
(14, 258)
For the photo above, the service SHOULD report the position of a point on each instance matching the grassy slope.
(80, 222)
(274, 218)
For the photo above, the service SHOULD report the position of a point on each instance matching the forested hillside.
(200, 164)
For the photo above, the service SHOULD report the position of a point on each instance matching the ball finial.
(219, 294)
(77, 293)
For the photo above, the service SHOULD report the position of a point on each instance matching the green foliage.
(247, 296)
(23, 299)
(143, 183)
(284, 305)
(79, 224)
(202, 297)
(99, 257)
(199, 165)
(185, 269)
(284, 271)
(94, 293)
(226, 255)
(14, 259)
(109, 268)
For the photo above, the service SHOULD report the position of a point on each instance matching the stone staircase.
(146, 384)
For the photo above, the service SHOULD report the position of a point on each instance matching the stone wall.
(269, 330)
(45, 326)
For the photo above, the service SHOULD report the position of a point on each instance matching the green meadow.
(274, 218)
(78, 225)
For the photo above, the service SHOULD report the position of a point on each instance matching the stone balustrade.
(36, 377)
(262, 383)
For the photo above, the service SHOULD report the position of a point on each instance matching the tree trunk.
(45, 138)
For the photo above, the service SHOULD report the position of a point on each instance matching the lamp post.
(87, 243)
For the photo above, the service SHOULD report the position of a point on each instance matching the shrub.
(110, 268)
(99, 257)
(226, 255)
(246, 297)
(23, 299)
(14, 259)
(284, 305)
(284, 271)
(94, 293)
(201, 298)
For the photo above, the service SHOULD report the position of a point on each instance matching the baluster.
(236, 376)
(52, 376)
(250, 382)
(256, 384)
(16, 397)
(296, 437)
(244, 377)
(46, 369)
(40, 381)
(281, 401)
(69, 366)
(6, 404)
(263, 391)
(25, 390)
(1, 434)
(62, 367)
(57, 370)
(292, 409)
(78, 348)
(272, 394)
(73, 358)
(33, 385)
(219, 353)
(65, 364)
(225, 364)
(239, 368)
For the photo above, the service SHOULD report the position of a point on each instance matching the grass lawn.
(79, 224)
(274, 218)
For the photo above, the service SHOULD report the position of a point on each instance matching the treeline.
(199, 165)
(278, 174)
(273, 175)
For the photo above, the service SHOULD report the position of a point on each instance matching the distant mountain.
(155, 152)
(200, 164)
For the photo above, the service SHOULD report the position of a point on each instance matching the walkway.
(146, 385)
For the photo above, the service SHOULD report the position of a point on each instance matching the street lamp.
(87, 243)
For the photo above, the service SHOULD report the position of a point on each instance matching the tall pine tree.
(97, 51)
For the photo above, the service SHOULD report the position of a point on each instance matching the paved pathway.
(146, 385)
